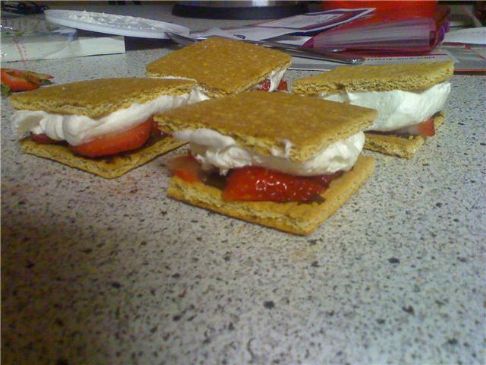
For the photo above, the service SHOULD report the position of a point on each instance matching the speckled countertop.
(101, 271)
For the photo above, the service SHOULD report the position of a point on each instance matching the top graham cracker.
(408, 77)
(268, 122)
(221, 66)
(99, 97)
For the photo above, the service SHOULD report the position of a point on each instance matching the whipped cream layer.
(397, 108)
(214, 150)
(79, 129)
(275, 77)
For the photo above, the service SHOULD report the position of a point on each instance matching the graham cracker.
(265, 122)
(408, 77)
(291, 217)
(404, 147)
(109, 167)
(100, 97)
(221, 66)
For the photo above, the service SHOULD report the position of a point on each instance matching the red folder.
(410, 30)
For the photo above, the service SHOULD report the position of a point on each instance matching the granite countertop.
(101, 271)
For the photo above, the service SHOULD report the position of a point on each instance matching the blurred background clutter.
(372, 29)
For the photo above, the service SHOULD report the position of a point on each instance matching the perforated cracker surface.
(97, 98)
(221, 66)
(410, 77)
(263, 122)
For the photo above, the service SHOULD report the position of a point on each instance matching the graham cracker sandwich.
(280, 160)
(409, 99)
(224, 66)
(102, 126)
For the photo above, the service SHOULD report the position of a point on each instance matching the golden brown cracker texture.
(409, 77)
(265, 122)
(404, 147)
(109, 167)
(99, 97)
(221, 66)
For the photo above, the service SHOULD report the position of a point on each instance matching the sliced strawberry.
(425, 129)
(42, 138)
(264, 85)
(17, 83)
(185, 167)
(113, 143)
(282, 86)
(20, 80)
(254, 183)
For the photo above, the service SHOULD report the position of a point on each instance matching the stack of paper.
(29, 38)
(387, 33)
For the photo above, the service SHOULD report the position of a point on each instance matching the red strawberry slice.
(185, 167)
(425, 129)
(113, 143)
(16, 82)
(267, 84)
(42, 138)
(20, 80)
(282, 86)
(264, 85)
(254, 183)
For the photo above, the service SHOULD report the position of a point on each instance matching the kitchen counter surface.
(101, 271)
